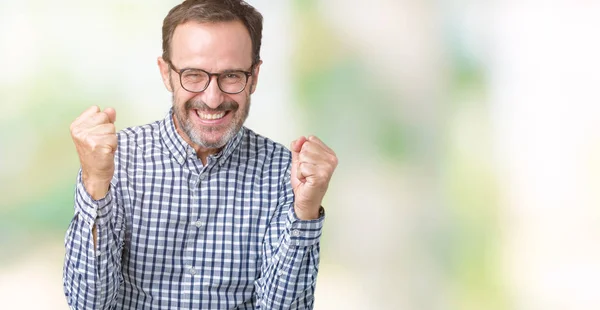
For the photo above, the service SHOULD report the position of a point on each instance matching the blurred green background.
(467, 134)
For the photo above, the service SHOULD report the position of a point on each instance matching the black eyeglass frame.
(248, 74)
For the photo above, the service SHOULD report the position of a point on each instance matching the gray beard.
(196, 136)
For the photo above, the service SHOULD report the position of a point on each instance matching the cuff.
(87, 207)
(304, 232)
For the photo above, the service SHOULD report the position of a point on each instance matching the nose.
(213, 96)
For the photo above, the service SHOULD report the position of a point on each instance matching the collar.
(181, 150)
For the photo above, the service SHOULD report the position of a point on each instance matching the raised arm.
(93, 243)
(291, 246)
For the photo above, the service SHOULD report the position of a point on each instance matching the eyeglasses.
(197, 80)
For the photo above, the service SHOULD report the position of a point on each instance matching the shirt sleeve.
(290, 257)
(92, 275)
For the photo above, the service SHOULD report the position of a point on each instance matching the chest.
(204, 224)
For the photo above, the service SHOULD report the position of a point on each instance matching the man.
(196, 211)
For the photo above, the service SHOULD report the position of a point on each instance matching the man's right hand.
(95, 139)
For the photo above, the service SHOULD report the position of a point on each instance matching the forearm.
(289, 274)
(92, 267)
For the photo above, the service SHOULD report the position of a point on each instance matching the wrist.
(306, 214)
(96, 188)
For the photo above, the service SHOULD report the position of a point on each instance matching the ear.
(255, 76)
(165, 73)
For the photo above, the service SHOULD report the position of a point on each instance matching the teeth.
(210, 116)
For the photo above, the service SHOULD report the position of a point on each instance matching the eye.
(232, 76)
(194, 76)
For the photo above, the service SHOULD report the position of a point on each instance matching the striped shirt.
(173, 233)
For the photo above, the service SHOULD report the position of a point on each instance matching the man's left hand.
(313, 163)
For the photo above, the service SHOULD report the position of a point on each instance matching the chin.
(212, 142)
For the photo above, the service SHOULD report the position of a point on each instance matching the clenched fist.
(313, 164)
(95, 139)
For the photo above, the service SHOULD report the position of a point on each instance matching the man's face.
(211, 118)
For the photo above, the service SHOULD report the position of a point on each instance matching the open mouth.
(203, 115)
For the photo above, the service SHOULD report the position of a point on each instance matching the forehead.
(211, 46)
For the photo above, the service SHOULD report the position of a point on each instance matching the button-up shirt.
(173, 233)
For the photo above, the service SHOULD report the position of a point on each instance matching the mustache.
(200, 105)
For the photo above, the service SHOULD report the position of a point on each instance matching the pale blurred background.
(468, 134)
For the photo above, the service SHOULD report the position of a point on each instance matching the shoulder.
(254, 146)
(144, 137)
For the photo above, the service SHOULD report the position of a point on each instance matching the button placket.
(199, 223)
(192, 234)
(194, 182)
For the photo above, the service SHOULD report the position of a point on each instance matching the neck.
(203, 153)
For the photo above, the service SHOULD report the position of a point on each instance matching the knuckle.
(334, 160)
(103, 117)
(80, 134)
(75, 132)
(91, 143)
(324, 174)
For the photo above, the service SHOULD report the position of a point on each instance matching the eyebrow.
(232, 70)
(224, 71)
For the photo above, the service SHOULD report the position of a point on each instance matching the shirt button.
(193, 271)
(202, 177)
(198, 224)
(296, 233)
